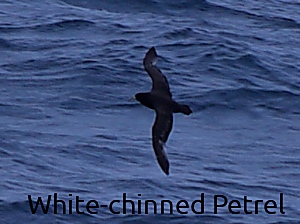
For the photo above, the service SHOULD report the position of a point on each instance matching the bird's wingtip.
(150, 57)
(164, 162)
(152, 49)
(165, 170)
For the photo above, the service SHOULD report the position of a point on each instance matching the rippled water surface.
(68, 69)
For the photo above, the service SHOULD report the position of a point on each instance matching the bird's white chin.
(131, 99)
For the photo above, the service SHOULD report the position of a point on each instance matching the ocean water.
(68, 69)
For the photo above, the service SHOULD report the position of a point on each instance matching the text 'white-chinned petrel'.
(160, 100)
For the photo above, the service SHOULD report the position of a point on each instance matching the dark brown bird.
(160, 100)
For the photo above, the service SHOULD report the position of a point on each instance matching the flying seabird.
(160, 100)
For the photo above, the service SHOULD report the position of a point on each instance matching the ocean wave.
(22, 210)
(266, 20)
(64, 25)
(6, 44)
(68, 125)
(278, 100)
(233, 99)
(179, 33)
(176, 219)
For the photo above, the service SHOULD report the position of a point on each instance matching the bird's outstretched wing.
(159, 81)
(160, 133)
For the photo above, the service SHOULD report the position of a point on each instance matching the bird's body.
(152, 100)
(160, 100)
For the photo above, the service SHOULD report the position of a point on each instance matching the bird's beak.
(132, 99)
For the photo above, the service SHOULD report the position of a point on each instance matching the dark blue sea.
(68, 126)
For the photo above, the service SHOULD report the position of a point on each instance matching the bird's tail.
(150, 57)
(185, 109)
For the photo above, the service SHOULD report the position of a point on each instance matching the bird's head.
(136, 97)
(145, 99)
(139, 97)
